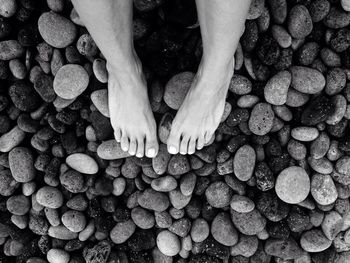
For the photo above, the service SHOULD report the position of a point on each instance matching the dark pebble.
(24, 97)
(317, 110)
(264, 177)
(141, 240)
(29, 35)
(101, 124)
(268, 50)
(44, 87)
(27, 124)
(272, 207)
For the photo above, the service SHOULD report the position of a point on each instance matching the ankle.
(221, 67)
(125, 64)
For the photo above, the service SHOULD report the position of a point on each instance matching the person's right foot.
(130, 111)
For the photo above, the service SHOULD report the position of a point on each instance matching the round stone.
(177, 88)
(75, 221)
(7, 183)
(199, 230)
(49, 197)
(323, 189)
(70, 81)
(300, 22)
(8, 8)
(314, 241)
(56, 30)
(18, 205)
(223, 230)
(82, 163)
(298, 178)
(168, 243)
(276, 89)
(307, 80)
(218, 194)
(142, 218)
(55, 255)
(244, 162)
(100, 99)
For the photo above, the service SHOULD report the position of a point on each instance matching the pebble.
(160, 162)
(50, 197)
(323, 189)
(82, 163)
(188, 183)
(335, 81)
(244, 162)
(56, 30)
(55, 255)
(345, 4)
(21, 163)
(153, 200)
(340, 105)
(307, 80)
(142, 218)
(261, 119)
(18, 205)
(86, 46)
(343, 165)
(178, 200)
(73, 220)
(7, 183)
(61, 232)
(276, 89)
(297, 177)
(199, 230)
(240, 85)
(304, 134)
(242, 204)
(287, 249)
(177, 88)
(164, 184)
(218, 194)
(299, 22)
(281, 35)
(250, 223)
(70, 81)
(246, 246)
(337, 18)
(168, 243)
(100, 99)
(332, 224)
(178, 165)
(122, 231)
(24, 97)
(10, 49)
(100, 70)
(223, 230)
(314, 241)
(111, 150)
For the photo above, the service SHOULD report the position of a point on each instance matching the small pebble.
(49, 197)
(168, 243)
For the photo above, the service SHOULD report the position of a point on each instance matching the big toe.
(173, 143)
(151, 146)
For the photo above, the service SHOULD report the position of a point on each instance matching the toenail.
(139, 155)
(183, 153)
(151, 152)
(172, 150)
(125, 149)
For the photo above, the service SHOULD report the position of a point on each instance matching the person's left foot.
(201, 111)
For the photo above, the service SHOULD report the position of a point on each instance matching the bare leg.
(221, 23)
(110, 24)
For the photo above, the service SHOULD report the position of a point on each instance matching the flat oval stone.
(283, 248)
(299, 179)
(164, 184)
(21, 163)
(143, 218)
(75, 221)
(223, 230)
(242, 204)
(153, 200)
(111, 150)
(323, 189)
(168, 243)
(304, 134)
(177, 88)
(100, 99)
(296, 98)
(307, 80)
(299, 22)
(314, 241)
(160, 162)
(82, 163)
(240, 85)
(340, 105)
(199, 230)
(100, 70)
(276, 89)
(50, 197)
(122, 231)
(261, 119)
(178, 165)
(343, 165)
(332, 224)
(18, 205)
(248, 223)
(56, 30)
(11, 139)
(8, 8)
(337, 18)
(61, 232)
(317, 110)
(244, 162)
(7, 184)
(55, 255)
(70, 81)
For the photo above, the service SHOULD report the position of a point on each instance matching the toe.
(124, 143)
(200, 142)
(151, 146)
(207, 137)
(192, 146)
(184, 144)
(132, 147)
(173, 143)
(117, 135)
(140, 147)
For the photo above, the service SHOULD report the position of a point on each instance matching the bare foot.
(201, 111)
(130, 111)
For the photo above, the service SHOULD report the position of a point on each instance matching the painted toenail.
(151, 152)
(172, 150)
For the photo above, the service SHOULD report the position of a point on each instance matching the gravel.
(272, 186)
